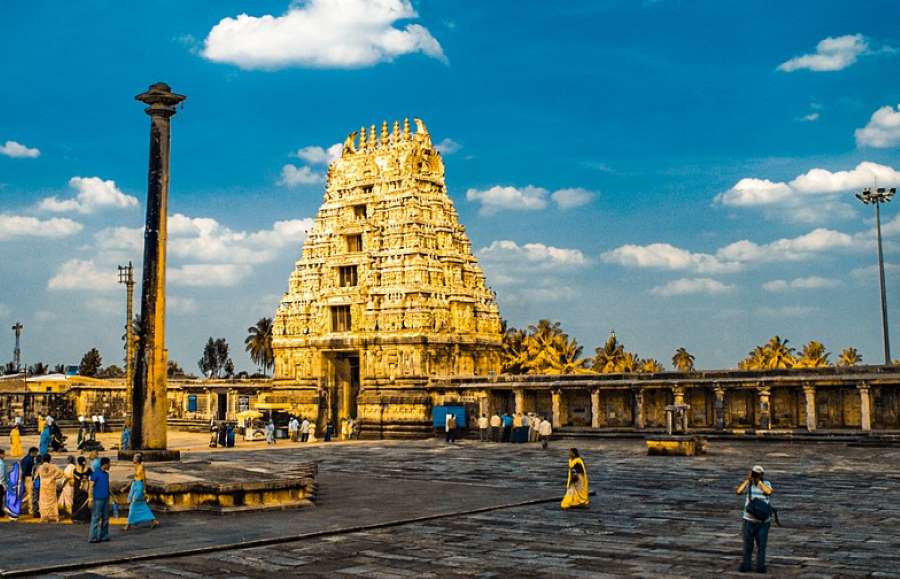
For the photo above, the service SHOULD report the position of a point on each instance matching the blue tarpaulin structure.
(439, 416)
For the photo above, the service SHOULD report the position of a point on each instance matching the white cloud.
(530, 198)
(832, 53)
(19, 151)
(203, 239)
(104, 305)
(15, 226)
(84, 274)
(732, 257)
(499, 197)
(667, 256)
(811, 197)
(870, 272)
(882, 130)
(811, 282)
(208, 274)
(531, 254)
(698, 285)
(448, 146)
(321, 34)
(292, 176)
(811, 117)
(555, 292)
(570, 198)
(786, 311)
(316, 155)
(126, 239)
(92, 195)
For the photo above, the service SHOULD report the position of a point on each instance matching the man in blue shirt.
(100, 510)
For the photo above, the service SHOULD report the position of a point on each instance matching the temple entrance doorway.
(344, 386)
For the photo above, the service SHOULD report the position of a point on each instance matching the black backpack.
(758, 508)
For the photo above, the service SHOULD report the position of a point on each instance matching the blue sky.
(681, 172)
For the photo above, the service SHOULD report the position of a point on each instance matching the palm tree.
(630, 362)
(756, 359)
(651, 366)
(259, 344)
(849, 357)
(683, 360)
(814, 356)
(514, 352)
(562, 356)
(780, 355)
(608, 358)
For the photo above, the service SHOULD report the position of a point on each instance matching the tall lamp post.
(17, 353)
(877, 196)
(126, 277)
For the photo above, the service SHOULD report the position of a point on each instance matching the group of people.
(33, 486)
(221, 434)
(516, 428)
(299, 430)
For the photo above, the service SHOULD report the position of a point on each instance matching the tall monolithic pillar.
(149, 401)
(595, 408)
(809, 391)
(865, 406)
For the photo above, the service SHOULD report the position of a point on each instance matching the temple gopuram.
(387, 294)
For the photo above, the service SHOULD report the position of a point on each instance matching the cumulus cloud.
(882, 130)
(570, 198)
(448, 146)
(698, 285)
(84, 274)
(19, 151)
(531, 254)
(811, 197)
(17, 226)
(92, 194)
(732, 257)
(203, 239)
(293, 176)
(316, 155)
(321, 34)
(529, 198)
(800, 283)
(810, 118)
(832, 53)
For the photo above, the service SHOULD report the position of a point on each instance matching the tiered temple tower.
(387, 293)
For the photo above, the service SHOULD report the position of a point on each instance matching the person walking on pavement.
(100, 509)
(483, 428)
(546, 430)
(757, 518)
(304, 430)
(450, 427)
(496, 427)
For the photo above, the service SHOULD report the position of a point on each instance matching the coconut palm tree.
(779, 354)
(683, 360)
(814, 355)
(849, 357)
(629, 363)
(651, 365)
(514, 351)
(756, 359)
(608, 358)
(562, 356)
(259, 344)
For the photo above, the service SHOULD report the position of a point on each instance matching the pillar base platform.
(151, 455)
(675, 445)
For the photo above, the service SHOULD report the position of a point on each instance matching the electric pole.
(126, 277)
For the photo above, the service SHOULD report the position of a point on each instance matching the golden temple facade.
(387, 293)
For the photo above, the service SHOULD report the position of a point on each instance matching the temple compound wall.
(387, 293)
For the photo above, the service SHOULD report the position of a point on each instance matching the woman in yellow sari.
(577, 489)
(15, 442)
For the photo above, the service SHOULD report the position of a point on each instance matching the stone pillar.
(678, 395)
(809, 392)
(519, 400)
(639, 409)
(484, 404)
(719, 407)
(556, 402)
(595, 408)
(865, 407)
(149, 403)
(765, 413)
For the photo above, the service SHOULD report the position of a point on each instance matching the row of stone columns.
(764, 393)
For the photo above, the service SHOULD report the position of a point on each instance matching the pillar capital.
(863, 386)
(160, 100)
(809, 388)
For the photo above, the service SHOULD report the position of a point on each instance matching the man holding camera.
(757, 518)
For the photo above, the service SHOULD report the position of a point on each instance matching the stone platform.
(675, 445)
(222, 486)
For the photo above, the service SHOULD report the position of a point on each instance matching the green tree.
(38, 369)
(779, 354)
(683, 361)
(90, 363)
(610, 357)
(849, 357)
(814, 355)
(59, 369)
(215, 357)
(111, 371)
(259, 344)
(514, 352)
(651, 366)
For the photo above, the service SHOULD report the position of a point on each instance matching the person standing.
(81, 479)
(126, 437)
(44, 443)
(138, 509)
(41, 423)
(270, 432)
(48, 474)
(304, 430)
(68, 490)
(100, 509)
(229, 435)
(507, 427)
(15, 441)
(449, 421)
(483, 428)
(4, 481)
(757, 518)
(293, 429)
(101, 420)
(27, 474)
(546, 430)
(577, 487)
(526, 427)
(496, 427)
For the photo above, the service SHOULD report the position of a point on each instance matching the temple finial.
(395, 137)
(362, 138)
(372, 137)
(406, 129)
(384, 133)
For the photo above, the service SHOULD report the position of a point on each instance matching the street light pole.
(871, 196)
(126, 277)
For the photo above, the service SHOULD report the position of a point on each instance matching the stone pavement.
(653, 516)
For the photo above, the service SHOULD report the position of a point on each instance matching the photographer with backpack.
(757, 517)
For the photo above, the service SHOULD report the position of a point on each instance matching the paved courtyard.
(403, 509)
